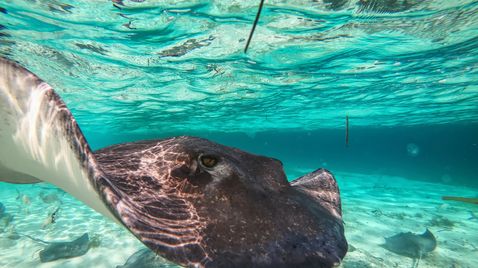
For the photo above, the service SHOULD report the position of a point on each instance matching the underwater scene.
(278, 133)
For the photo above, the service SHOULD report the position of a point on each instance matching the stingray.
(411, 245)
(192, 201)
(49, 198)
(62, 250)
(145, 258)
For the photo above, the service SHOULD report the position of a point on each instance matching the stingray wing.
(40, 140)
(321, 186)
(427, 242)
(152, 209)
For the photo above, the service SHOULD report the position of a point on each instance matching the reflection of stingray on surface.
(411, 245)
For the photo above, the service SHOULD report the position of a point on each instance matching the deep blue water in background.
(446, 153)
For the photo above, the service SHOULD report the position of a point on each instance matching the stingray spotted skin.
(240, 213)
(195, 202)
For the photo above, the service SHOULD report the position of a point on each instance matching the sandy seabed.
(374, 207)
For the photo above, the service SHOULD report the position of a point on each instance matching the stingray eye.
(208, 161)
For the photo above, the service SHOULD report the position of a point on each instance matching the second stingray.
(411, 245)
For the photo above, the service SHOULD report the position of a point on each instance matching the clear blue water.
(404, 72)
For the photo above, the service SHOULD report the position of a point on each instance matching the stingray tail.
(417, 261)
(34, 239)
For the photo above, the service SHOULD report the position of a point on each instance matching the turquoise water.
(404, 72)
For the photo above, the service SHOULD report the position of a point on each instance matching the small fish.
(23, 197)
(473, 216)
(128, 25)
(63, 8)
(51, 219)
(118, 3)
(26, 200)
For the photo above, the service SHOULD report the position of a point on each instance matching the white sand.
(375, 206)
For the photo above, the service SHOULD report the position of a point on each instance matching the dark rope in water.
(461, 199)
(346, 131)
(254, 26)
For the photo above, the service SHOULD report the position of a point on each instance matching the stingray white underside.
(35, 144)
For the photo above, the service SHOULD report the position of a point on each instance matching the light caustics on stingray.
(190, 200)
